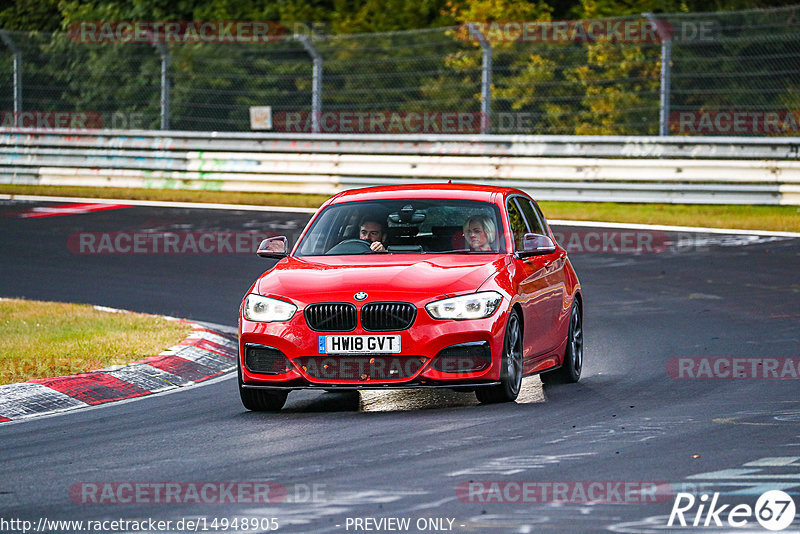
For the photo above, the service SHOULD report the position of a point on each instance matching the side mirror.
(273, 247)
(536, 245)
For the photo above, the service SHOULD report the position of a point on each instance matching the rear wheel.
(260, 400)
(511, 375)
(570, 370)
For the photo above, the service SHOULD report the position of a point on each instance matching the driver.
(480, 233)
(373, 232)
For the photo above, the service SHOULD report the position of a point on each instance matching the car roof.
(452, 191)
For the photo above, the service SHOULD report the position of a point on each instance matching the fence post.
(17, 73)
(162, 50)
(666, 60)
(316, 81)
(486, 78)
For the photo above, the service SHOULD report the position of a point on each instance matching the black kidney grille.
(331, 317)
(387, 316)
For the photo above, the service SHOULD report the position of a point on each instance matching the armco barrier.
(589, 168)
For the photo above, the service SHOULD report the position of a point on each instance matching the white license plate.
(359, 344)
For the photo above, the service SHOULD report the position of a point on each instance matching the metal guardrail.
(488, 145)
(591, 168)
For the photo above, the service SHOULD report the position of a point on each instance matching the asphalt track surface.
(404, 454)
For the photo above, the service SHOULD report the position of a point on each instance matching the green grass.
(45, 339)
(779, 218)
(169, 195)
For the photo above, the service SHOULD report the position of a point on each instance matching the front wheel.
(259, 400)
(511, 375)
(570, 370)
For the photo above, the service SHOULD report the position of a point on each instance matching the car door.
(541, 286)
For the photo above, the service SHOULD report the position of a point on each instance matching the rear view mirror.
(536, 245)
(407, 215)
(273, 247)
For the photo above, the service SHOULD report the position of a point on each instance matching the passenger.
(480, 233)
(374, 232)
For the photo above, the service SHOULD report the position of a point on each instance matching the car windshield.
(411, 226)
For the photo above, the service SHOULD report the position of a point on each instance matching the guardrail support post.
(17, 73)
(316, 81)
(486, 78)
(164, 53)
(666, 60)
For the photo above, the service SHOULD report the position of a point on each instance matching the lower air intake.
(464, 358)
(265, 360)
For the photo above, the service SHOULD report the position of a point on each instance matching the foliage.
(599, 87)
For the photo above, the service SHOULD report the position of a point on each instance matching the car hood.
(333, 278)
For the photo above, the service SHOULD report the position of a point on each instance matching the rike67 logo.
(774, 510)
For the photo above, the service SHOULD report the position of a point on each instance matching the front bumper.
(426, 339)
(363, 386)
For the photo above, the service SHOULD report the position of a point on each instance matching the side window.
(541, 218)
(518, 228)
(535, 225)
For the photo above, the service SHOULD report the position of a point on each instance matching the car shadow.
(533, 393)
(398, 400)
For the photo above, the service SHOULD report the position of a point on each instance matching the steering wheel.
(350, 246)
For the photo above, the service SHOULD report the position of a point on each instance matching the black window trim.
(536, 211)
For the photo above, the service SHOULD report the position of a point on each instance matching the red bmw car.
(418, 286)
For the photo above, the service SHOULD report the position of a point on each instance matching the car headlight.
(265, 310)
(474, 306)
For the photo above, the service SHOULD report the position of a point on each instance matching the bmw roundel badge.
(360, 295)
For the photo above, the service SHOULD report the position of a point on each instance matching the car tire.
(259, 400)
(511, 375)
(570, 370)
